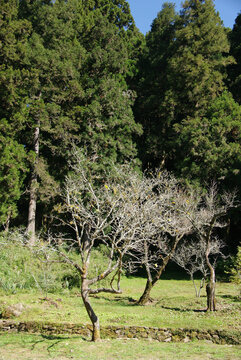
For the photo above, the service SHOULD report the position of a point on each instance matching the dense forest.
(79, 75)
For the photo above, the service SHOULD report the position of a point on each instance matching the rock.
(12, 311)
(216, 338)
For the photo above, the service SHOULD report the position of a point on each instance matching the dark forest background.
(80, 74)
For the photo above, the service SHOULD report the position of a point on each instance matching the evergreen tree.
(73, 68)
(197, 77)
(116, 12)
(12, 168)
(210, 146)
(196, 69)
(235, 69)
(52, 84)
(152, 86)
(197, 58)
(105, 117)
(14, 34)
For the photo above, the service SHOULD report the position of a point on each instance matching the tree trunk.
(7, 223)
(210, 288)
(94, 319)
(194, 284)
(32, 209)
(202, 283)
(33, 193)
(145, 297)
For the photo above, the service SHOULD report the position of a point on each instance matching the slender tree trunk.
(145, 297)
(94, 319)
(197, 291)
(202, 283)
(7, 223)
(210, 288)
(194, 284)
(33, 193)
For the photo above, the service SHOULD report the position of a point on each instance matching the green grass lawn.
(40, 347)
(175, 306)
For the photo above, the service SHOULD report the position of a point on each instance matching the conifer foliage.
(235, 69)
(63, 80)
(79, 73)
(191, 124)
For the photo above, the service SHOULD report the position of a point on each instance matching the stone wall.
(130, 332)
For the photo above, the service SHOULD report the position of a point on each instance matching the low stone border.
(130, 332)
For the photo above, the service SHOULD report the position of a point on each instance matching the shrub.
(235, 270)
(22, 267)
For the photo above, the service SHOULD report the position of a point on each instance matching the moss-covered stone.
(110, 332)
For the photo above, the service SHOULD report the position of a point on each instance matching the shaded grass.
(38, 347)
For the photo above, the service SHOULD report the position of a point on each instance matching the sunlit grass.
(174, 306)
(38, 347)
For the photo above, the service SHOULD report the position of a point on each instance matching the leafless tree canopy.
(133, 216)
(125, 213)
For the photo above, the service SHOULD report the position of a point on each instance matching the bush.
(22, 267)
(235, 270)
(15, 264)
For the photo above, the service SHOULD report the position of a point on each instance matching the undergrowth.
(40, 268)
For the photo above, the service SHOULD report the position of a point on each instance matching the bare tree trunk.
(94, 319)
(210, 288)
(33, 193)
(194, 284)
(145, 297)
(7, 223)
(202, 283)
(197, 291)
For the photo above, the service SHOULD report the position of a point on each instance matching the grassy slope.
(175, 306)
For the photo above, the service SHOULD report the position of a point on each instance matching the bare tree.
(178, 213)
(166, 226)
(207, 216)
(111, 214)
(190, 255)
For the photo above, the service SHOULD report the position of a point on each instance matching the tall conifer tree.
(196, 71)
(152, 84)
(75, 63)
(235, 69)
(14, 34)
(197, 48)
(210, 146)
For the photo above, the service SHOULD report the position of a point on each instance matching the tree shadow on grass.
(58, 338)
(123, 300)
(184, 310)
(231, 297)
